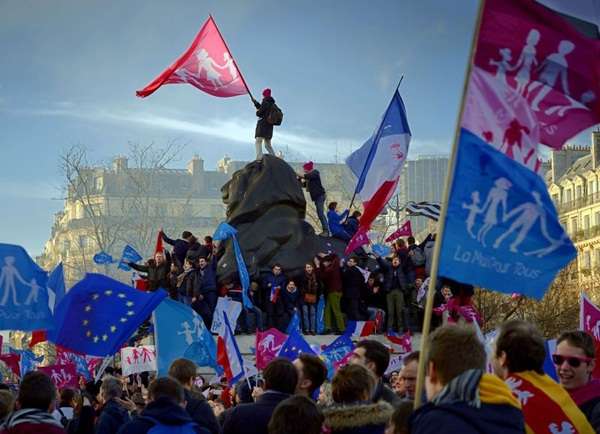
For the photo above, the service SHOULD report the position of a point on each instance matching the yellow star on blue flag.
(99, 314)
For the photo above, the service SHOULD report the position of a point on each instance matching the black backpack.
(275, 115)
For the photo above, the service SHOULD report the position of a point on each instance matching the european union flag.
(23, 291)
(294, 345)
(99, 314)
(335, 352)
(294, 323)
(180, 332)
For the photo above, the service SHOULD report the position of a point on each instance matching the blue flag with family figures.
(502, 229)
(23, 291)
(180, 332)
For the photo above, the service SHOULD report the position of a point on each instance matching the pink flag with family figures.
(207, 64)
(268, 344)
(535, 79)
(61, 375)
(589, 321)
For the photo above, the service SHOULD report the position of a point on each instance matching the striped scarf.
(30, 415)
(547, 407)
(462, 388)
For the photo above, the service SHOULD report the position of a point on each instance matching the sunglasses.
(573, 361)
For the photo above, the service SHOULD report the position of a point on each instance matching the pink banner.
(403, 231)
(62, 375)
(268, 344)
(589, 321)
(207, 65)
(360, 238)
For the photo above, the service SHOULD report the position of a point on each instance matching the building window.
(597, 258)
(579, 191)
(586, 222)
(591, 187)
(555, 198)
(586, 260)
(597, 218)
(568, 196)
(99, 181)
(574, 225)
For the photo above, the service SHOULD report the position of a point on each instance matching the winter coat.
(312, 182)
(263, 128)
(393, 277)
(498, 411)
(180, 247)
(205, 279)
(164, 411)
(158, 275)
(331, 276)
(359, 418)
(112, 417)
(201, 412)
(335, 221)
(253, 418)
(271, 281)
(310, 286)
(354, 283)
(384, 393)
(291, 300)
(31, 421)
(351, 225)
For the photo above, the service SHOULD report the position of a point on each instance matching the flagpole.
(442, 220)
(377, 136)
(232, 58)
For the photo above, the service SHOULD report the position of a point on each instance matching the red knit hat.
(308, 166)
(266, 92)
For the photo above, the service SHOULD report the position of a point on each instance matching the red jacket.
(331, 276)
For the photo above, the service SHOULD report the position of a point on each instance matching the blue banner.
(223, 232)
(180, 332)
(99, 314)
(294, 345)
(381, 250)
(502, 229)
(23, 291)
(129, 255)
(102, 258)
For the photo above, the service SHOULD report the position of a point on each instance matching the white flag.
(138, 359)
(231, 308)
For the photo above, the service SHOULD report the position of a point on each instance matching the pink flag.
(12, 362)
(360, 238)
(403, 231)
(207, 65)
(61, 375)
(543, 63)
(589, 321)
(268, 344)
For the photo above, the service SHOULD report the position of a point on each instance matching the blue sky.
(70, 70)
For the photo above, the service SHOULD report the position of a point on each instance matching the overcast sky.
(70, 70)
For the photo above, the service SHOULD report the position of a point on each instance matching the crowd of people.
(462, 394)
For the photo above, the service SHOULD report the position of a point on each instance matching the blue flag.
(294, 345)
(502, 230)
(99, 314)
(549, 366)
(180, 332)
(56, 284)
(335, 352)
(294, 323)
(381, 250)
(23, 291)
(29, 362)
(102, 258)
(223, 232)
(129, 255)
(321, 315)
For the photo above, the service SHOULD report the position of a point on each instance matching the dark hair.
(281, 375)
(580, 340)
(356, 214)
(66, 397)
(296, 415)
(350, 384)
(36, 391)
(208, 239)
(276, 264)
(377, 353)
(524, 346)
(332, 205)
(186, 234)
(183, 370)
(167, 387)
(410, 240)
(400, 417)
(453, 350)
(313, 369)
(7, 403)
(400, 242)
(411, 357)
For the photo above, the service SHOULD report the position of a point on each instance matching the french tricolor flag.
(228, 354)
(377, 164)
(359, 329)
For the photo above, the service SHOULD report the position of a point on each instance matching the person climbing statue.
(264, 129)
(311, 180)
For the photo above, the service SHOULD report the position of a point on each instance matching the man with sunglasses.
(519, 359)
(575, 361)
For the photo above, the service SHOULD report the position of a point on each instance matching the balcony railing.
(586, 234)
(580, 202)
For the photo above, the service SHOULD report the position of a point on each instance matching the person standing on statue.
(311, 180)
(264, 129)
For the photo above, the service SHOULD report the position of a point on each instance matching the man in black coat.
(280, 378)
(165, 408)
(112, 415)
(182, 245)
(157, 270)
(311, 180)
(184, 371)
(354, 288)
(264, 129)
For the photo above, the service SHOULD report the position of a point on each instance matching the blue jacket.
(291, 300)
(164, 411)
(335, 221)
(271, 281)
(253, 418)
(112, 417)
(207, 278)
